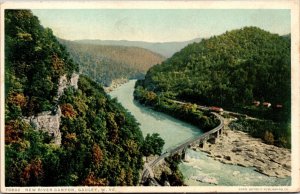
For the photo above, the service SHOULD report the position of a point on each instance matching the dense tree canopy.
(101, 142)
(187, 112)
(34, 61)
(105, 63)
(153, 145)
(230, 70)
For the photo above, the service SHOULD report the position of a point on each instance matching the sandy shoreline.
(115, 84)
(239, 148)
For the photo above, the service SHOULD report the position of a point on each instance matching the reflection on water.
(200, 165)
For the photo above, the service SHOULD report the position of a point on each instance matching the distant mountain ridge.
(105, 63)
(166, 49)
(229, 70)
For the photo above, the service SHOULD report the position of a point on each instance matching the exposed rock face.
(62, 85)
(239, 148)
(157, 170)
(65, 83)
(162, 166)
(74, 80)
(47, 122)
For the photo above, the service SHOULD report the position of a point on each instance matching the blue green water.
(225, 174)
(175, 132)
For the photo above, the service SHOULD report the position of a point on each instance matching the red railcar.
(215, 109)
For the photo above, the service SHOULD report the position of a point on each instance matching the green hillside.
(101, 143)
(34, 61)
(105, 63)
(230, 71)
(166, 49)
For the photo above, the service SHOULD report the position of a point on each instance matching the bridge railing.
(190, 141)
(202, 136)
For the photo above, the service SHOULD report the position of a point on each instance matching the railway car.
(216, 109)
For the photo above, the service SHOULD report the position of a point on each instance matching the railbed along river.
(174, 132)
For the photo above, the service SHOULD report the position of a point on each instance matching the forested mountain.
(106, 63)
(167, 49)
(230, 70)
(34, 61)
(101, 143)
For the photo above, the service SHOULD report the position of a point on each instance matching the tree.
(269, 137)
(105, 63)
(230, 70)
(68, 111)
(97, 154)
(101, 145)
(153, 144)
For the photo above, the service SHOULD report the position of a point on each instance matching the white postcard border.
(292, 5)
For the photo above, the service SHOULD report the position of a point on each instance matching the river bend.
(175, 132)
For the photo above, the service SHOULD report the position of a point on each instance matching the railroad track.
(148, 169)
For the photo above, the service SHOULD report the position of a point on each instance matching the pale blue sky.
(159, 25)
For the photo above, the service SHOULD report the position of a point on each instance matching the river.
(175, 132)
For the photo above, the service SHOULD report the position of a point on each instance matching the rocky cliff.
(48, 121)
(65, 83)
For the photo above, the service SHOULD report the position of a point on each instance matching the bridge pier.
(180, 151)
(202, 144)
(186, 158)
(222, 130)
(183, 154)
(216, 134)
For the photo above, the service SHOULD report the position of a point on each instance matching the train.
(216, 109)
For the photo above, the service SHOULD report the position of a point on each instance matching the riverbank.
(115, 84)
(200, 164)
(165, 172)
(159, 168)
(239, 148)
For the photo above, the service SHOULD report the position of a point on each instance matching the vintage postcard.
(150, 96)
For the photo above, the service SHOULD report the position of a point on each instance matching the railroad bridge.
(201, 140)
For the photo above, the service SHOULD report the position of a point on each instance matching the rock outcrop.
(49, 122)
(159, 168)
(74, 80)
(65, 83)
(239, 148)
(62, 85)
